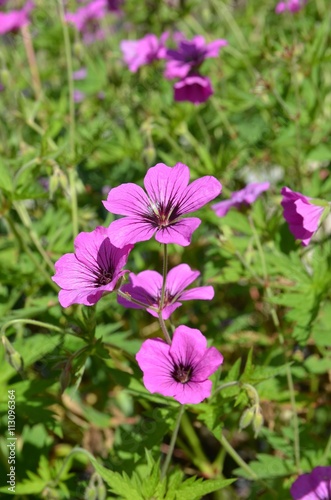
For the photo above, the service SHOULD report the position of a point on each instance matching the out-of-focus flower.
(245, 196)
(80, 74)
(114, 5)
(79, 96)
(193, 88)
(179, 370)
(315, 485)
(160, 211)
(290, 6)
(189, 56)
(87, 20)
(301, 216)
(13, 20)
(146, 287)
(137, 53)
(94, 268)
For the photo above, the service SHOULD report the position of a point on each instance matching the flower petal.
(130, 230)
(188, 346)
(198, 193)
(166, 184)
(210, 362)
(179, 232)
(127, 199)
(179, 278)
(199, 293)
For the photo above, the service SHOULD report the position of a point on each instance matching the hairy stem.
(31, 56)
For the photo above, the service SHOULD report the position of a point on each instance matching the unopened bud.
(257, 421)
(247, 418)
(149, 155)
(12, 356)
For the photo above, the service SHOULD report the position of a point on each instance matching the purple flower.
(179, 370)
(301, 216)
(14, 20)
(161, 210)
(80, 74)
(146, 287)
(290, 6)
(245, 196)
(137, 53)
(194, 88)
(79, 96)
(316, 485)
(114, 5)
(86, 19)
(189, 55)
(92, 270)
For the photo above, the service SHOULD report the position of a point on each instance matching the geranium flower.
(146, 287)
(316, 485)
(94, 268)
(161, 210)
(290, 6)
(301, 216)
(13, 20)
(179, 370)
(137, 53)
(189, 55)
(245, 196)
(86, 19)
(193, 88)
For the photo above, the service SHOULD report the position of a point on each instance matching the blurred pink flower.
(146, 287)
(137, 53)
(189, 56)
(290, 6)
(193, 88)
(79, 96)
(301, 216)
(179, 370)
(245, 196)
(86, 19)
(94, 268)
(315, 485)
(14, 20)
(160, 211)
(114, 5)
(80, 74)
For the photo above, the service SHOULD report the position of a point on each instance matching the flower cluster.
(182, 63)
(180, 367)
(290, 6)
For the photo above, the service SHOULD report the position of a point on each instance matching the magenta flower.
(179, 370)
(301, 216)
(13, 20)
(161, 210)
(290, 6)
(245, 196)
(114, 5)
(137, 53)
(189, 56)
(316, 485)
(87, 20)
(194, 88)
(146, 288)
(94, 268)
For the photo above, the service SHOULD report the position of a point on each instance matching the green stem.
(225, 386)
(26, 220)
(164, 328)
(31, 56)
(164, 274)
(276, 322)
(200, 459)
(172, 442)
(72, 173)
(239, 461)
(49, 326)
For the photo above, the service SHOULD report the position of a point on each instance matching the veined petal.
(188, 346)
(85, 297)
(165, 185)
(198, 193)
(192, 393)
(207, 365)
(199, 293)
(179, 278)
(179, 232)
(130, 230)
(127, 199)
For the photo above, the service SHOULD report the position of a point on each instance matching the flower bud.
(12, 356)
(246, 418)
(257, 421)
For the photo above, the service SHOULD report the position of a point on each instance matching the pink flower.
(245, 196)
(290, 6)
(14, 20)
(137, 53)
(161, 210)
(301, 216)
(92, 270)
(194, 88)
(189, 56)
(146, 287)
(86, 19)
(316, 485)
(179, 370)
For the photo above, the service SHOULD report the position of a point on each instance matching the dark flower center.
(103, 277)
(161, 215)
(182, 373)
